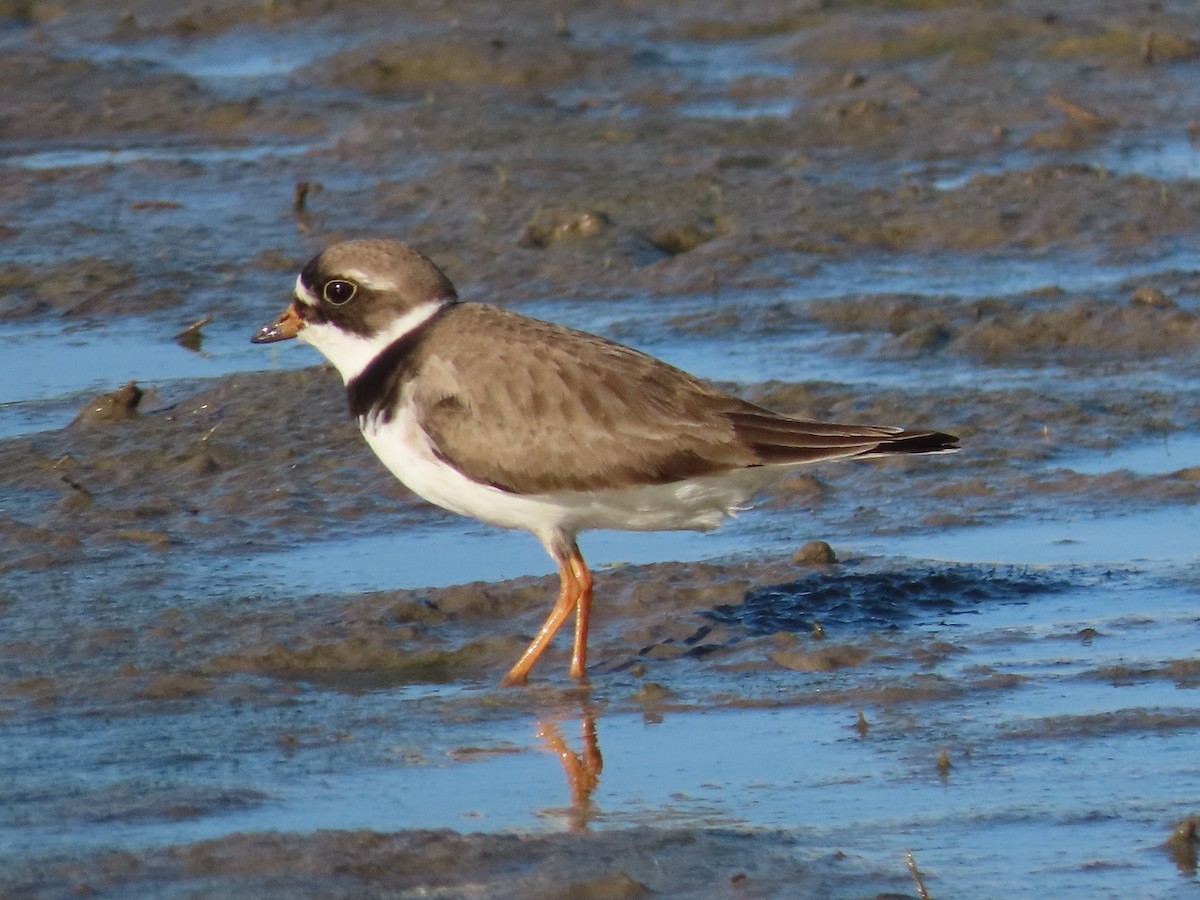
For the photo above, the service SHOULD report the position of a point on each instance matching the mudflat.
(237, 659)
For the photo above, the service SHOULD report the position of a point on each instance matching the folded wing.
(574, 412)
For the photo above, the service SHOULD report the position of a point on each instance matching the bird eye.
(338, 292)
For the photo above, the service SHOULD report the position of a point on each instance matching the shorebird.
(527, 424)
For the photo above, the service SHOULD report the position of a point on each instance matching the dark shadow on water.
(884, 600)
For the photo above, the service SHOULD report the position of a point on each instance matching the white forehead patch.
(303, 294)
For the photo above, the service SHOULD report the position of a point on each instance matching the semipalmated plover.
(527, 424)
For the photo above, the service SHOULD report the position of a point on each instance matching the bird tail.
(777, 439)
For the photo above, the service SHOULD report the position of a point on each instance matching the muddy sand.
(239, 660)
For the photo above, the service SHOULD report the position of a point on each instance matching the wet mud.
(239, 660)
(599, 866)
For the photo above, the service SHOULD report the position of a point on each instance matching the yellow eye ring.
(338, 292)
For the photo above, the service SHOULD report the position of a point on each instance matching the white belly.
(696, 504)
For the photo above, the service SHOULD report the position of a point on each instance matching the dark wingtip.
(921, 442)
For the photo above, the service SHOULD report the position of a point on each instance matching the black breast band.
(375, 391)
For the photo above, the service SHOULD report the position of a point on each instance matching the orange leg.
(583, 611)
(568, 599)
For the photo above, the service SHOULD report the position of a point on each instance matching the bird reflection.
(582, 769)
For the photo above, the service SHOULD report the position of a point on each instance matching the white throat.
(351, 353)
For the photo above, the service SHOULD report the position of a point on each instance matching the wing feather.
(534, 407)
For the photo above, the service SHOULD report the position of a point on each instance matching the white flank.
(696, 504)
(351, 353)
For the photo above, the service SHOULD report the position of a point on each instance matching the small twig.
(862, 726)
(300, 196)
(1077, 112)
(76, 486)
(191, 337)
(1148, 49)
(943, 764)
(911, 862)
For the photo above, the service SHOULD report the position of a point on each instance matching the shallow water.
(1157, 535)
(795, 765)
(1170, 453)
